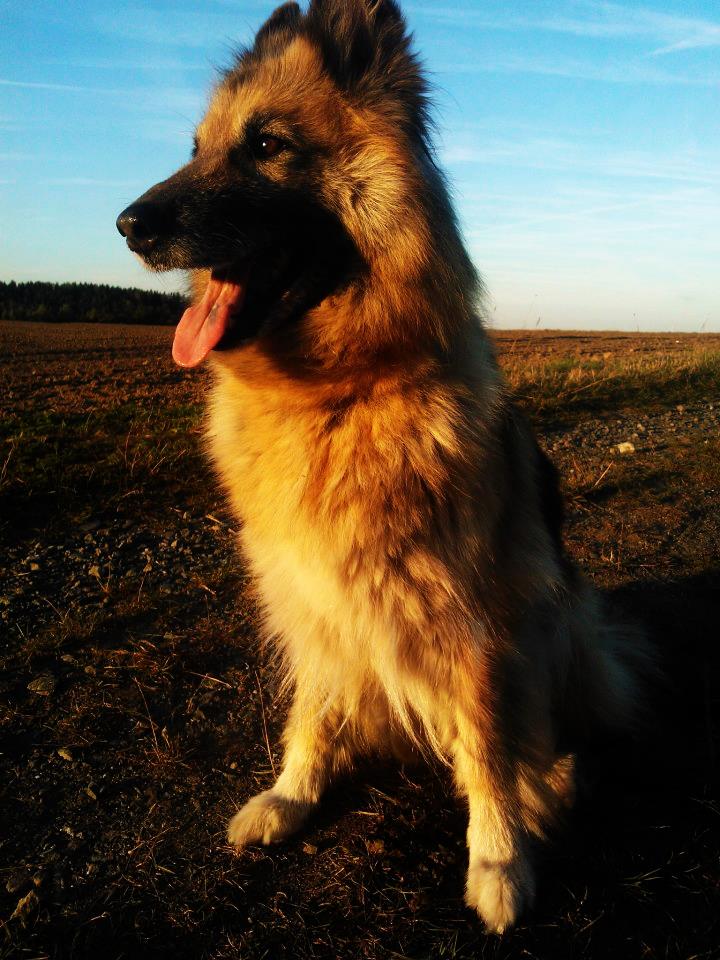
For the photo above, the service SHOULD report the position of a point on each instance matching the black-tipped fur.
(366, 49)
(282, 24)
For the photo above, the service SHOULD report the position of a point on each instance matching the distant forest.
(87, 302)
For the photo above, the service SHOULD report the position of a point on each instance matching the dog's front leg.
(500, 880)
(316, 747)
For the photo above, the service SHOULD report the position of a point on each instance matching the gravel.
(84, 568)
(646, 431)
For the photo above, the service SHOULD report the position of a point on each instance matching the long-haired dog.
(401, 524)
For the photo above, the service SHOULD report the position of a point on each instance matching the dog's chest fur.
(340, 525)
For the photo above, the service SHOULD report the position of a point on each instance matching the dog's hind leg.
(317, 746)
(500, 881)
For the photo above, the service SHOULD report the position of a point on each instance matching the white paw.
(267, 818)
(500, 892)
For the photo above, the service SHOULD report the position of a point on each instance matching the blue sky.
(582, 139)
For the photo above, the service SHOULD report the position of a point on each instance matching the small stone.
(626, 447)
(43, 686)
(90, 670)
(34, 566)
(680, 408)
(65, 753)
(640, 428)
(310, 849)
(25, 906)
(376, 846)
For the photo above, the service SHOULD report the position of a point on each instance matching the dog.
(402, 527)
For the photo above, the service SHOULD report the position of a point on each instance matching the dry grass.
(561, 384)
(123, 596)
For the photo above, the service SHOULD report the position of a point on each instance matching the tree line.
(87, 302)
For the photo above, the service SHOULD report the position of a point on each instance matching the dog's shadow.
(677, 757)
(639, 860)
(633, 862)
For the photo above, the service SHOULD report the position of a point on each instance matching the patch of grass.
(561, 390)
(68, 460)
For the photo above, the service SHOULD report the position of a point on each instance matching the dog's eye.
(265, 146)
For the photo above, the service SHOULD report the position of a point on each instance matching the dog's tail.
(612, 675)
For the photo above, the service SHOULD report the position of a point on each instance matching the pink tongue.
(202, 326)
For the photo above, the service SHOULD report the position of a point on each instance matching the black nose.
(144, 224)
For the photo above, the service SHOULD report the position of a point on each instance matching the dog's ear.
(366, 49)
(357, 37)
(285, 19)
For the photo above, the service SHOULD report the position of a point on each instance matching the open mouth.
(261, 294)
(205, 324)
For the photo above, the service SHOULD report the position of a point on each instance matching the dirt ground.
(136, 712)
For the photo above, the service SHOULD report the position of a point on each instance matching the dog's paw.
(500, 892)
(267, 818)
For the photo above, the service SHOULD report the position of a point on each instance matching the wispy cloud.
(620, 71)
(586, 18)
(10, 124)
(615, 20)
(605, 214)
(197, 29)
(88, 182)
(709, 37)
(587, 157)
(149, 65)
(34, 85)
(160, 102)
(675, 32)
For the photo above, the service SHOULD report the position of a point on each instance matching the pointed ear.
(356, 36)
(285, 19)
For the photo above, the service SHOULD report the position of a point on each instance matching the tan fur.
(391, 513)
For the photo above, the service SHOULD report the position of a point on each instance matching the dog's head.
(300, 178)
